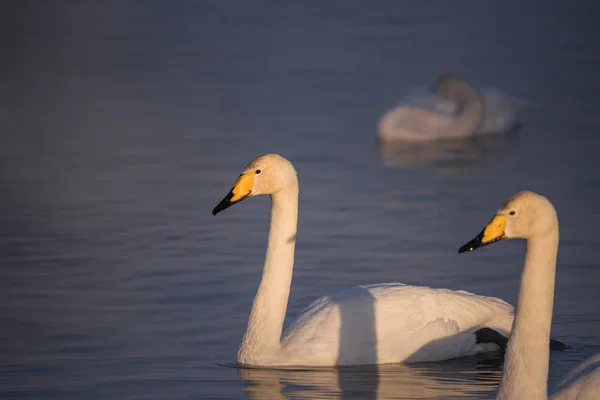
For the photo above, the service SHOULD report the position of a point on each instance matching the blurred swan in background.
(454, 110)
(530, 216)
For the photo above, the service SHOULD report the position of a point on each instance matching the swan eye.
(258, 171)
(512, 213)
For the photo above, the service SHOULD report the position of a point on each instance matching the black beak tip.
(465, 248)
(472, 244)
(225, 203)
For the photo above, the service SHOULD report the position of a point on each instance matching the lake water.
(124, 123)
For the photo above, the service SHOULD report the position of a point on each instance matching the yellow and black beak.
(493, 232)
(242, 188)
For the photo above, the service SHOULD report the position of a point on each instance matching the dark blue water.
(124, 123)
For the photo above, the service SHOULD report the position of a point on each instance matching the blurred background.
(123, 123)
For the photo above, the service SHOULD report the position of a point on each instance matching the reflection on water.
(466, 378)
(447, 157)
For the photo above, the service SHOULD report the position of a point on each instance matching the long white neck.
(263, 335)
(527, 356)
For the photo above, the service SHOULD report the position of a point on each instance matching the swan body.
(456, 110)
(392, 323)
(501, 112)
(532, 217)
(581, 383)
(372, 324)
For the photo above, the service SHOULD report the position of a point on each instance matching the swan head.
(446, 78)
(451, 87)
(266, 174)
(525, 215)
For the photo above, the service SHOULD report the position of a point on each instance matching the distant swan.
(532, 217)
(371, 324)
(456, 110)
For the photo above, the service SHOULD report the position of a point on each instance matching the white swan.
(532, 217)
(373, 324)
(456, 110)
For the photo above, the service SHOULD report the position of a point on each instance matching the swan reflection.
(462, 378)
(446, 157)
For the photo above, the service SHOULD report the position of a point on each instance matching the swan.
(370, 324)
(530, 216)
(456, 110)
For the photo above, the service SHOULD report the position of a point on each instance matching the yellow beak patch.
(242, 187)
(494, 229)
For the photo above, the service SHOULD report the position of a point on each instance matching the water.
(123, 125)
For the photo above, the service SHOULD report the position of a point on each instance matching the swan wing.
(392, 322)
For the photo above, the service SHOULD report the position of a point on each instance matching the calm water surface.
(124, 123)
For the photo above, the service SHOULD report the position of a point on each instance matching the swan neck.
(263, 335)
(472, 115)
(526, 362)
